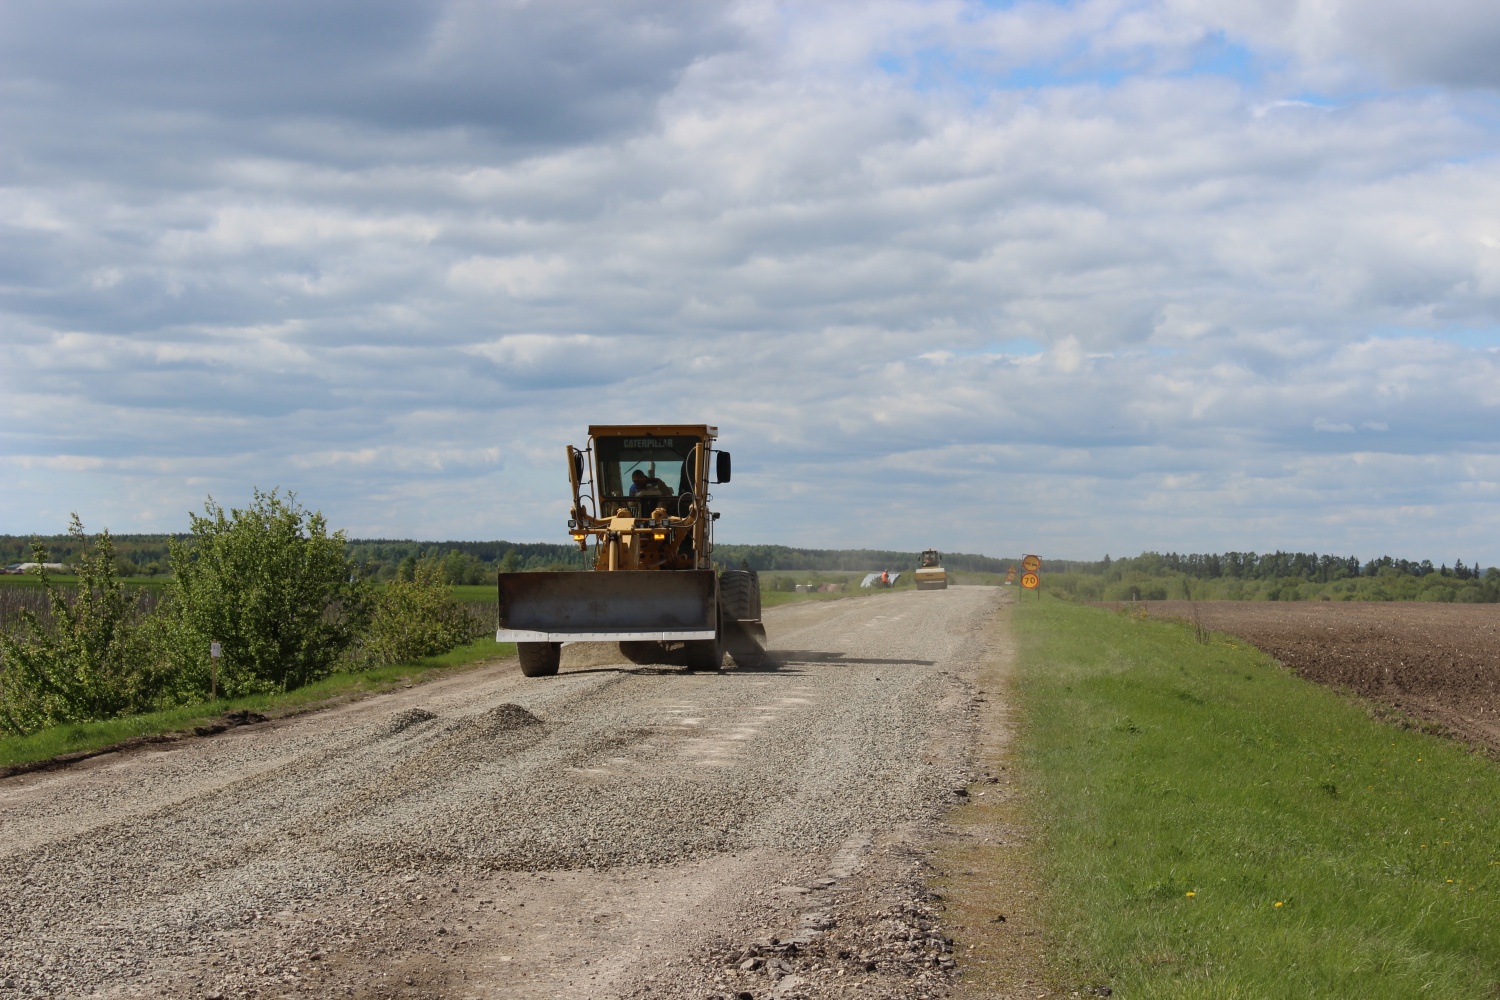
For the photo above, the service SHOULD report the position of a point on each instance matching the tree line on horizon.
(1278, 565)
(469, 562)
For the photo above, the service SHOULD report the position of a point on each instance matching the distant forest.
(1309, 566)
(477, 562)
(1276, 576)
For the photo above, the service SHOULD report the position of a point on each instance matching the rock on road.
(613, 831)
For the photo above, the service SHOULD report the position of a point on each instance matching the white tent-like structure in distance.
(873, 578)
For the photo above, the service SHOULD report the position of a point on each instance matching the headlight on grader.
(579, 536)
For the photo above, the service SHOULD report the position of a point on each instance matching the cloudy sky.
(1073, 278)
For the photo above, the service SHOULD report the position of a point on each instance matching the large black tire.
(744, 635)
(746, 642)
(539, 659)
(705, 654)
(739, 594)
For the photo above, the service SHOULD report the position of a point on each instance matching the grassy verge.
(1216, 827)
(83, 737)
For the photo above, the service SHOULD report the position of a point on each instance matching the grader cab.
(641, 504)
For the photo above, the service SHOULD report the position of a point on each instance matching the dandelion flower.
(1278, 904)
(1191, 895)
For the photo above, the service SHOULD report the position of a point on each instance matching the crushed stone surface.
(614, 831)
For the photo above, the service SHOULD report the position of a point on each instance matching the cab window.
(668, 459)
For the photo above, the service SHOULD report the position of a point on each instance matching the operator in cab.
(642, 485)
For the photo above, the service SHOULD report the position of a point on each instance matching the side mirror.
(723, 466)
(575, 466)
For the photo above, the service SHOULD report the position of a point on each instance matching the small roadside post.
(215, 650)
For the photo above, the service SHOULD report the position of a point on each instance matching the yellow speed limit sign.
(1031, 564)
(1030, 581)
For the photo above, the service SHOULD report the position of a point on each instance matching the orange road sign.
(1030, 581)
(1031, 564)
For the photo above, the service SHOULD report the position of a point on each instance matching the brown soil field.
(1437, 662)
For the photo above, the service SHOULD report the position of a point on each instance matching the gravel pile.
(263, 859)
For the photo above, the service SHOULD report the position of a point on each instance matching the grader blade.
(621, 606)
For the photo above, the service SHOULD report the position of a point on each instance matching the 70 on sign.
(1029, 579)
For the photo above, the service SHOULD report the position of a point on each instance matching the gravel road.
(615, 831)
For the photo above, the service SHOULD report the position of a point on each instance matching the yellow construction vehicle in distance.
(930, 573)
(640, 497)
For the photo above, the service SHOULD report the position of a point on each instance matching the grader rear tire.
(539, 659)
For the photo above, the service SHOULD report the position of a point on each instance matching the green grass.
(479, 593)
(69, 580)
(1160, 766)
(338, 687)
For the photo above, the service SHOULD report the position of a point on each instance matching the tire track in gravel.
(390, 847)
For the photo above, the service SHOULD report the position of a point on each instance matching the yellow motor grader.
(930, 572)
(640, 498)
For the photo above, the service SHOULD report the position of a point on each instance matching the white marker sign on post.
(214, 650)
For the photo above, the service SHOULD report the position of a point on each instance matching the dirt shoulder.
(987, 879)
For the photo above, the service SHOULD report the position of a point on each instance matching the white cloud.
(908, 256)
(521, 276)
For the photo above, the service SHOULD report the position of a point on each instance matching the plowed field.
(1438, 662)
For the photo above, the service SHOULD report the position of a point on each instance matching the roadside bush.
(415, 618)
(273, 586)
(82, 659)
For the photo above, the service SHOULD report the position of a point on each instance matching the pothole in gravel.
(404, 720)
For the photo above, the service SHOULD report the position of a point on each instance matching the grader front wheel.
(706, 654)
(539, 659)
(746, 642)
(744, 635)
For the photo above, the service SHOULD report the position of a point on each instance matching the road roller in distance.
(930, 573)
